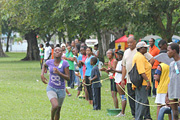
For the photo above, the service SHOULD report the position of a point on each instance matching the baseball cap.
(141, 44)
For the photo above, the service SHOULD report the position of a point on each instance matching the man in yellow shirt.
(141, 93)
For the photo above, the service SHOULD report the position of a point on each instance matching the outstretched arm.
(44, 80)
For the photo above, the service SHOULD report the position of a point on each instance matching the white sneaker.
(68, 87)
(120, 115)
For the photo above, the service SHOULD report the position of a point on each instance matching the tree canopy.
(83, 18)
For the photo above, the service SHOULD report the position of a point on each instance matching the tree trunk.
(81, 37)
(105, 39)
(32, 49)
(8, 37)
(2, 54)
(100, 45)
(48, 39)
(61, 37)
(167, 37)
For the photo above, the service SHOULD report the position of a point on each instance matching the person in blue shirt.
(89, 68)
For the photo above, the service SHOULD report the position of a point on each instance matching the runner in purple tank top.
(59, 72)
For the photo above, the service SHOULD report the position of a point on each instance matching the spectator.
(126, 67)
(119, 48)
(163, 46)
(69, 57)
(96, 54)
(47, 52)
(153, 50)
(162, 76)
(88, 73)
(118, 76)
(73, 45)
(163, 49)
(141, 93)
(83, 44)
(111, 66)
(174, 74)
(68, 44)
(57, 45)
(76, 68)
(96, 87)
(41, 53)
(76, 41)
(81, 65)
(52, 51)
(63, 46)
(77, 44)
(96, 51)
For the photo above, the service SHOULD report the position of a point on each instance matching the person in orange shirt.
(52, 51)
(153, 50)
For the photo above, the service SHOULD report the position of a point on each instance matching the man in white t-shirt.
(47, 52)
(127, 66)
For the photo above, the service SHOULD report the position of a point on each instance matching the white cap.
(63, 45)
(141, 44)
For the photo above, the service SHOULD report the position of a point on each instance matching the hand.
(55, 70)
(83, 80)
(123, 84)
(108, 70)
(65, 57)
(44, 80)
(90, 81)
(148, 85)
(82, 62)
(103, 69)
(155, 77)
(112, 70)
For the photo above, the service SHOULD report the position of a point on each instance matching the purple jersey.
(55, 80)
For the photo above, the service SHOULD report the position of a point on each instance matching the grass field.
(23, 95)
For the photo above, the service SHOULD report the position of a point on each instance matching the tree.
(156, 16)
(2, 54)
(30, 18)
(7, 30)
(19, 17)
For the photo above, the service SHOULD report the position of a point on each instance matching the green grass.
(22, 97)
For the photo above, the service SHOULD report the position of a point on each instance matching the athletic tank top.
(111, 75)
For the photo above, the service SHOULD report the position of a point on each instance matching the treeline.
(82, 18)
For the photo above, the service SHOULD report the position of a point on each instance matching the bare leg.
(67, 92)
(158, 108)
(78, 93)
(169, 116)
(174, 108)
(123, 103)
(57, 115)
(86, 93)
(54, 103)
(115, 100)
(90, 101)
